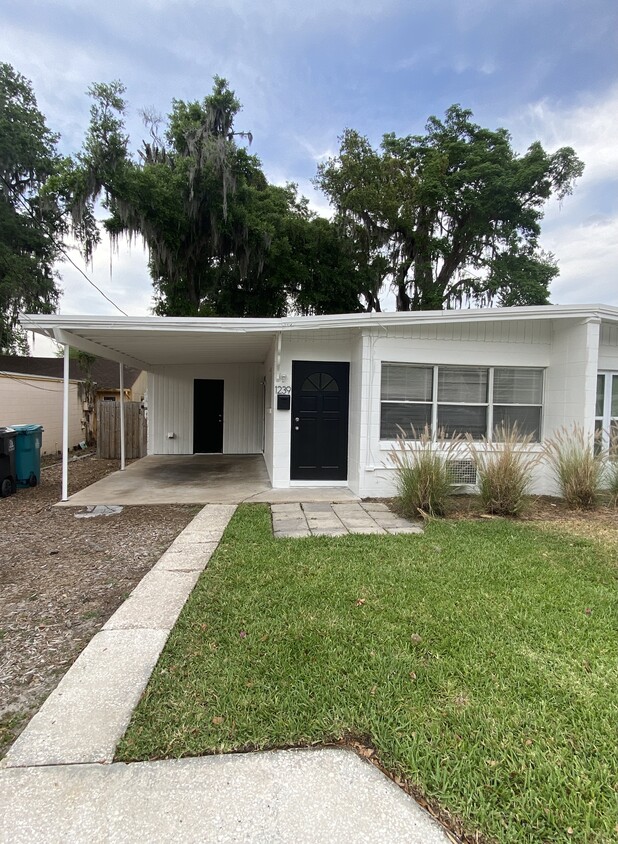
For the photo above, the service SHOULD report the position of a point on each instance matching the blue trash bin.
(28, 454)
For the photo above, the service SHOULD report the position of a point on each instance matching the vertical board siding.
(170, 407)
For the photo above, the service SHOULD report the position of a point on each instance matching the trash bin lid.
(27, 429)
(4, 431)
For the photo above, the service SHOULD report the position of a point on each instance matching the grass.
(479, 660)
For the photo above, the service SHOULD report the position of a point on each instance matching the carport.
(158, 345)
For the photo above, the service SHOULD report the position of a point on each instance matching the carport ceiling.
(151, 342)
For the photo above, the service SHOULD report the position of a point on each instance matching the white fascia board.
(49, 323)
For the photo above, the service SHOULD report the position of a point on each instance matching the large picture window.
(460, 399)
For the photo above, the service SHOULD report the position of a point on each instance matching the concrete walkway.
(85, 717)
(323, 519)
(58, 783)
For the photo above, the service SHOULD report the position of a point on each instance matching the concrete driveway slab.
(280, 797)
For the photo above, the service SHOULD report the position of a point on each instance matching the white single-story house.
(322, 397)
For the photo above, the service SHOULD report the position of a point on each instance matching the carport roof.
(148, 342)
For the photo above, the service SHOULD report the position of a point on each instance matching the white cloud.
(589, 126)
(121, 273)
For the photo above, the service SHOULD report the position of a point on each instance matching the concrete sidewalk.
(293, 796)
(58, 783)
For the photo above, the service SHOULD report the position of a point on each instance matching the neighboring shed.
(31, 392)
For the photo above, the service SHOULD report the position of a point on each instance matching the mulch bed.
(62, 577)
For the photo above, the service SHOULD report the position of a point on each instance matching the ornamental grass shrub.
(577, 467)
(504, 470)
(424, 474)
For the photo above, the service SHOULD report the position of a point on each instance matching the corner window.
(606, 411)
(460, 399)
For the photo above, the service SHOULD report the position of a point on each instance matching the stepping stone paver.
(294, 521)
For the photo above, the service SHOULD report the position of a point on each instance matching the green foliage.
(221, 239)
(577, 467)
(424, 476)
(504, 468)
(28, 223)
(450, 216)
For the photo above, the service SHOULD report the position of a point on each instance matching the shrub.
(504, 470)
(577, 467)
(424, 476)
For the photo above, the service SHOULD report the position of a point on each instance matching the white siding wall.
(170, 407)
(568, 352)
(269, 409)
(307, 345)
(38, 401)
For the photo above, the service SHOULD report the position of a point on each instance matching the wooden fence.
(108, 430)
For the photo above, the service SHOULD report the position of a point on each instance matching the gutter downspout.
(122, 448)
(65, 426)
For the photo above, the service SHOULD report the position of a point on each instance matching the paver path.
(323, 519)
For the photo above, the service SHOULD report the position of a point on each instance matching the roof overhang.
(149, 342)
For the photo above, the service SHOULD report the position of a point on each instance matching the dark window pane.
(600, 395)
(459, 419)
(518, 386)
(528, 420)
(320, 381)
(458, 383)
(401, 382)
(407, 416)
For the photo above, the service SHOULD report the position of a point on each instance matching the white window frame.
(489, 404)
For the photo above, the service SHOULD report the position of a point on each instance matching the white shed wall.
(38, 401)
(170, 407)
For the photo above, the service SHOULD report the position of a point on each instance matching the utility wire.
(60, 246)
(14, 377)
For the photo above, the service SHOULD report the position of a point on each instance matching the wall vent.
(464, 472)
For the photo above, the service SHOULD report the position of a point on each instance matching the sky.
(304, 71)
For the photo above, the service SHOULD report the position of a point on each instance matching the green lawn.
(480, 660)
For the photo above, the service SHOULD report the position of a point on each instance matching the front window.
(460, 399)
(606, 411)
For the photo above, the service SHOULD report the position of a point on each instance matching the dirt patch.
(61, 578)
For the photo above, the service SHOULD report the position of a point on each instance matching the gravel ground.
(62, 577)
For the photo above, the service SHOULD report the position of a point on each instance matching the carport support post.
(65, 426)
(122, 451)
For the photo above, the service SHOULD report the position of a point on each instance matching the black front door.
(319, 421)
(207, 416)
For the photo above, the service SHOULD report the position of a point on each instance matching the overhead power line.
(58, 244)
